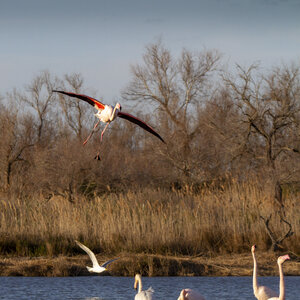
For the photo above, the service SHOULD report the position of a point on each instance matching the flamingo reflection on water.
(107, 113)
(263, 292)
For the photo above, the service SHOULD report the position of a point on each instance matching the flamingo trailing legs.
(92, 132)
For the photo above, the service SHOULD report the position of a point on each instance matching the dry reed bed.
(216, 220)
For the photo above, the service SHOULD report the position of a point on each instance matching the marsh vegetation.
(227, 177)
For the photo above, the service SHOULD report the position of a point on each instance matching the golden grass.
(216, 220)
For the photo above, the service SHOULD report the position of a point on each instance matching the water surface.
(119, 288)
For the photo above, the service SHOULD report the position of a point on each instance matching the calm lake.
(110, 288)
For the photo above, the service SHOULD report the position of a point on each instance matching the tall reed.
(215, 220)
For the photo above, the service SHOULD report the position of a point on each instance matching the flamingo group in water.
(263, 292)
(260, 292)
(107, 114)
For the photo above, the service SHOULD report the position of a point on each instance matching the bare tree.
(222, 137)
(76, 113)
(176, 88)
(277, 241)
(39, 97)
(16, 136)
(269, 106)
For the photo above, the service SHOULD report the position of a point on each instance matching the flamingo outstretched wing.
(90, 253)
(108, 262)
(140, 123)
(85, 98)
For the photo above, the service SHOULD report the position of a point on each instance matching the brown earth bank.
(149, 265)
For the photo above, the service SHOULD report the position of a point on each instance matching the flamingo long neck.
(113, 114)
(255, 284)
(281, 284)
(140, 284)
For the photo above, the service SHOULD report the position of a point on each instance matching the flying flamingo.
(189, 294)
(107, 113)
(263, 292)
(96, 267)
(142, 295)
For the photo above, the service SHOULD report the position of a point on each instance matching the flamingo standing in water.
(107, 113)
(263, 292)
(142, 295)
(96, 267)
(189, 294)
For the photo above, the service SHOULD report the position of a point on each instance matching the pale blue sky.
(101, 39)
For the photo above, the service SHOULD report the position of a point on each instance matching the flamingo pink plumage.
(107, 113)
(189, 294)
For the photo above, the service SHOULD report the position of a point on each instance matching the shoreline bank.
(148, 265)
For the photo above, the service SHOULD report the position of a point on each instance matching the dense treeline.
(220, 127)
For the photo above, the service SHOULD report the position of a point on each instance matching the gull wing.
(90, 254)
(85, 98)
(140, 123)
(108, 262)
